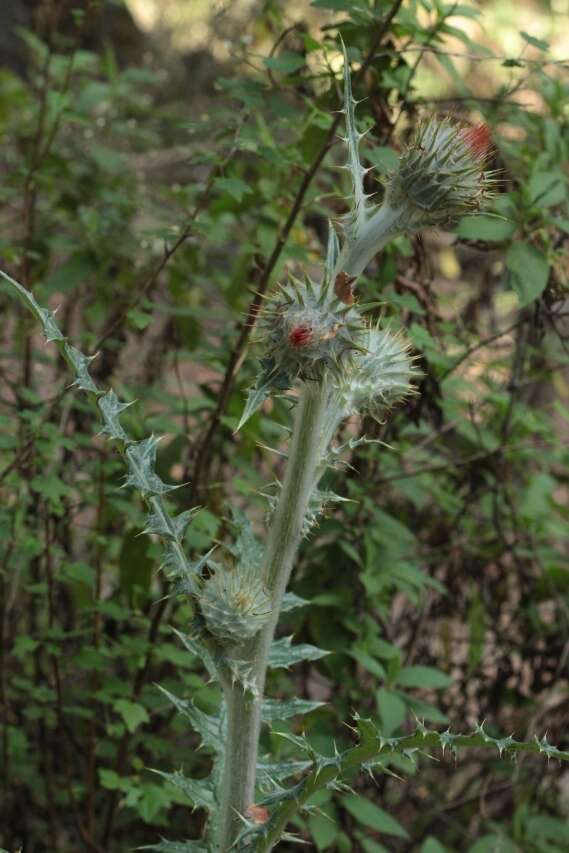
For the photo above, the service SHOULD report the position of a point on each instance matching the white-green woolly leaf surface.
(283, 654)
(292, 601)
(247, 547)
(277, 771)
(210, 727)
(196, 648)
(282, 709)
(332, 252)
(359, 212)
(199, 791)
(111, 407)
(170, 527)
(80, 363)
(256, 396)
(141, 458)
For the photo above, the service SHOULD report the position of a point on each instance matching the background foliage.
(151, 188)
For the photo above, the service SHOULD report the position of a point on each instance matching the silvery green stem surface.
(357, 251)
(285, 534)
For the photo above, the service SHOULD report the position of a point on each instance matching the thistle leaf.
(164, 846)
(326, 772)
(292, 601)
(200, 792)
(271, 379)
(276, 709)
(198, 649)
(278, 771)
(141, 458)
(210, 727)
(247, 548)
(360, 208)
(332, 253)
(283, 654)
(80, 363)
(111, 408)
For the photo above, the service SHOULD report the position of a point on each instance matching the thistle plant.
(334, 364)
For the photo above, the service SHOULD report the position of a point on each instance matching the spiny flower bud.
(234, 604)
(310, 329)
(441, 176)
(380, 376)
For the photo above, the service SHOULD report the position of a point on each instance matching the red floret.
(300, 336)
(478, 139)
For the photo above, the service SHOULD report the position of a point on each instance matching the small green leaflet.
(530, 271)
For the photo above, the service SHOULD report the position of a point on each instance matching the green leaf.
(530, 271)
(384, 158)
(135, 563)
(334, 5)
(50, 487)
(423, 676)
(112, 781)
(392, 710)
(323, 830)
(547, 189)
(276, 709)
(198, 791)
(431, 845)
(292, 601)
(176, 847)
(535, 42)
(111, 407)
(234, 186)
(80, 363)
(73, 273)
(286, 63)
(278, 771)
(141, 458)
(489, 228)
(283, 654)
(132, 713)
(372, 816)
(211, 727)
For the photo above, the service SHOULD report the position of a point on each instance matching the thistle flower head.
(309, 330)
(441, 175)
(234, 604)
(380, 376)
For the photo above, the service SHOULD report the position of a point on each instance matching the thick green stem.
(372, 236)
(285, 534)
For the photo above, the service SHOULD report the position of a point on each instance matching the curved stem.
(285, 534)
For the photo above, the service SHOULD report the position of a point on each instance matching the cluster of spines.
(234, 603)
(309, 329)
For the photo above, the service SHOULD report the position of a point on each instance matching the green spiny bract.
(234, 604)
(379, 376)
(441, 176)
(310, 330)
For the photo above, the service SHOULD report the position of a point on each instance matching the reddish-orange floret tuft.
(300, 336)
(478, 139)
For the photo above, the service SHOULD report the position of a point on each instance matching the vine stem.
(285, 534)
